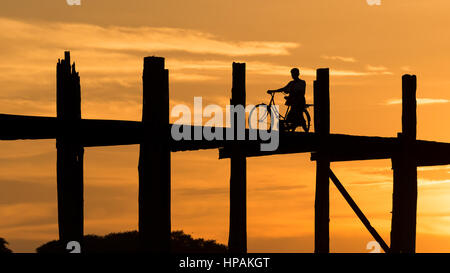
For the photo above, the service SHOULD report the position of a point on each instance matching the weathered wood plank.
(404, 203)
(154, 160)
(70, 152)
(358, 212)
(322, 130)
(237, 241)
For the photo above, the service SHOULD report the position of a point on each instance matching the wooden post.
(154, 159)
(322, 129)
(404, 204)
(237, 241)
(69, 152)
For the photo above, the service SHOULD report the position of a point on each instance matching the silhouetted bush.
(129, 242)
(3, 248)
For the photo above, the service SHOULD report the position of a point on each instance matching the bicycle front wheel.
(260, 117)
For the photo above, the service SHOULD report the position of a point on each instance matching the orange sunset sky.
(367, 49)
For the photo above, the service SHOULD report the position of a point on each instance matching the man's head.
(295, 73)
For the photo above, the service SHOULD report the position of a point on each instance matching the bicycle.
(270, 112)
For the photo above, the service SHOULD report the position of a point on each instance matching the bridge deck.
(95, 132)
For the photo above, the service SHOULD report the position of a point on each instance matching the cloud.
(430, 182)
(419, 101)
(339, 58)
(376, 68)
(257, 67)
(432, 168)
(109, 60)
(33, 47)
(27, 214)
(405, 68)
(147, 39)
(280, 188)
(17, 105)
(379, 69)
(224, 191)
(349, 73)
(202, 191)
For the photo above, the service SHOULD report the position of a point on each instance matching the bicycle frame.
(275, 110)
(275, 113)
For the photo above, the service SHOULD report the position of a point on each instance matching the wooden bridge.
(72, 134)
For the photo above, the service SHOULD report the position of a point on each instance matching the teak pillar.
(237, 241)
(404, 204)
(154, 159)
(322, 129)
(69, 152)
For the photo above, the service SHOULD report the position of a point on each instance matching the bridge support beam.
(322, 129)
(154, 160)
(237, 241)
(404, 204)
(69, 169)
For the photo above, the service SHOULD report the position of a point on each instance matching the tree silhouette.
(129, 242)
(3, 247)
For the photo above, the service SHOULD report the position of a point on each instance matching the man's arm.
(283, 89)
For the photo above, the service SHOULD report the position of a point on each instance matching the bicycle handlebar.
(272, 92)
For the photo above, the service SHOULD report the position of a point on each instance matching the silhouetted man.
(296, 90)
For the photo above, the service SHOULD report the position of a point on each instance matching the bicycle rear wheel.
(306, 120)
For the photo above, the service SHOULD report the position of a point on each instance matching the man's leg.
(293, 115)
